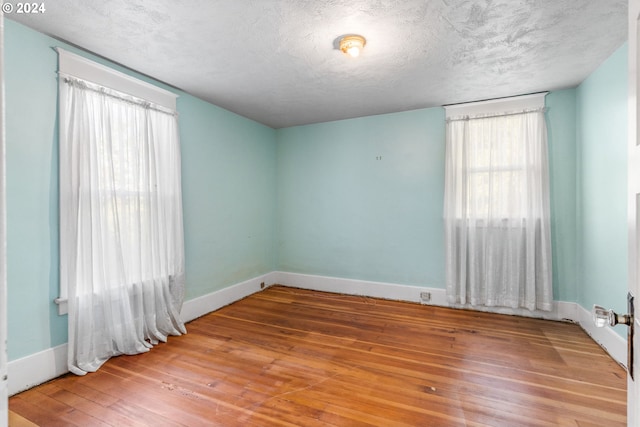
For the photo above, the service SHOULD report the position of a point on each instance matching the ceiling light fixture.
(352, 45)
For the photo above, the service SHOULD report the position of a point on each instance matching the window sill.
(62, 306)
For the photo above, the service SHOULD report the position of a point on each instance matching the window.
(497, 204)
(497, 164)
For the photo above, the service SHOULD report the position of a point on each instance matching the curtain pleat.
(121, 232)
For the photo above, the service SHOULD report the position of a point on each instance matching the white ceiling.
(275, 61)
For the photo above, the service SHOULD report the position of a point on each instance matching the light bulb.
(353, 51)
(352, 45)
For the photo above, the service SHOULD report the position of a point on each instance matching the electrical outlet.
(262, 285)
(425, 296)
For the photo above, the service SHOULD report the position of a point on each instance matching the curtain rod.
(491, 100)
(130, 99)
(488, 116)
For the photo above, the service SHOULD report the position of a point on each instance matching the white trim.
(561, 311)
(205, 304)
(354, 287)
(83, 68)
(564, 311)
(496, 106)
(62, 302)
(37, 368)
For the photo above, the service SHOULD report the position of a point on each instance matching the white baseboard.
(383, 290)
(561, 310)
(37, 368)
(200, 306)
(608, 339)
(43, 366)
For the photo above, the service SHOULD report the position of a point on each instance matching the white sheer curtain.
(121, 235)
(497, 228)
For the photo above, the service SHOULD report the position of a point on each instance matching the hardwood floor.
(291, 357)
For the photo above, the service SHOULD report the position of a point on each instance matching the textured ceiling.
(275, 61)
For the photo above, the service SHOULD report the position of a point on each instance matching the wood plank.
(291, 357)
(16, 420)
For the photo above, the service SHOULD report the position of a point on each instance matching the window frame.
(495, 108)
(73, 65)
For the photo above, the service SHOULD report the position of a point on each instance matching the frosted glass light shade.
(352, 45)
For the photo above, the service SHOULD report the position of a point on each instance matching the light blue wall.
(561, 132)
(229, 172)
(602, 184)
(32, 192)
(228, 193)
(343, 213)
